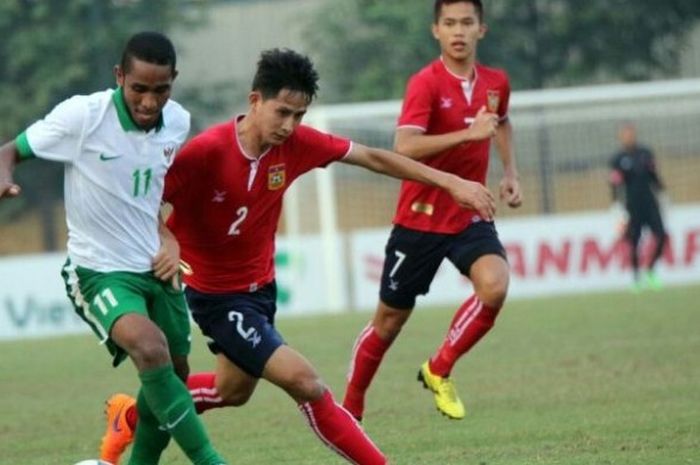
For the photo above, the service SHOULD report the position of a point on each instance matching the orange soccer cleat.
(118, 434)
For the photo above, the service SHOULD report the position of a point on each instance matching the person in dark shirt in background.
(636, 185)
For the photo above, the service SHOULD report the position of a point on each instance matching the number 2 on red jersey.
(242, 213)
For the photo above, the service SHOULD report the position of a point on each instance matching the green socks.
(165, 402)
(149, 440)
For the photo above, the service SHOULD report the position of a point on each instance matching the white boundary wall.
(549, 255)
(563, 254)
(33, 300)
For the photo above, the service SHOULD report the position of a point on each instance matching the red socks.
(132, 417)
(366, 356)
(340, 432)
(334, 425)
(202, 388)
(470, 323)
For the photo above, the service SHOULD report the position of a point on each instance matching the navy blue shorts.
(240, 325)
(413, 257)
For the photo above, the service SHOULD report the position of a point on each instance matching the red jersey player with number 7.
(442, 101)
(226, 188)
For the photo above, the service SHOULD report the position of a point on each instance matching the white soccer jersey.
(114, 174)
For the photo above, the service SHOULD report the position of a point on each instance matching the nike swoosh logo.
(104, 157)
(115, 424)
(170, 426)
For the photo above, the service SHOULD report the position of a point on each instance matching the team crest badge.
(168, 152)
(493, 99)
(276, 177)
(420, 207)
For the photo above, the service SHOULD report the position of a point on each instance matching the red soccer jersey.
(438, 102)
(227, 204)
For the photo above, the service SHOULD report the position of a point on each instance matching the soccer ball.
(93, 462)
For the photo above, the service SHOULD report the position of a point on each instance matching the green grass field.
(598, 379)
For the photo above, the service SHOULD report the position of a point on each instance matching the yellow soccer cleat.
(118, 434)
(446, 399)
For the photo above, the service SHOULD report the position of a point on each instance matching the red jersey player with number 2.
(442, 102)
(226, 187)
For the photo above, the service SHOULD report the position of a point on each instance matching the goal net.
(563, 141)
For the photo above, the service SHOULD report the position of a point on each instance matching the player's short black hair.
(478, 6)
(151, 47)
(285, 69)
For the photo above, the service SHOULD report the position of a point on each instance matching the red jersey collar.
(245, 154)
(460, 78)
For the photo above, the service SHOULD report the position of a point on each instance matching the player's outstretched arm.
(509, 187)
(8, 160)
(467, 194)
(414, 143)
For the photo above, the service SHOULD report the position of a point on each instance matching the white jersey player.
(117, 146)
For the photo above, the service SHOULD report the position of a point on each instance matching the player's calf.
(338, 430)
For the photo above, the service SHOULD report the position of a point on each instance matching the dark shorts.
(413, 257)
(649, 216)
(240, 325)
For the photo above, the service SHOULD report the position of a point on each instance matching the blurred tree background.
(53, 49)
(542, 43)
(364, 49)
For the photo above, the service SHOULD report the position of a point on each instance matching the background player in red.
(226, 188)
(442, 102)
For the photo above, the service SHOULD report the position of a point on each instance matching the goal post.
(563, 140)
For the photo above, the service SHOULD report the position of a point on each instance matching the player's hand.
(509, 189)
(166, 263)
(9, 189)
(620, 219)
(484, 125)
(470, 194)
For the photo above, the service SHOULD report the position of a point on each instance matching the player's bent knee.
(304, 387)
(150, 354)
(493, 290)
(235, 398)
(142, 340)
(235, 391)
(495, 297)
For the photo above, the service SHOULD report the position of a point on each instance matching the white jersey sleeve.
(59, 134)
